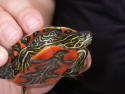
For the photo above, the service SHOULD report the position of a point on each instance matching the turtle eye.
(67, 31)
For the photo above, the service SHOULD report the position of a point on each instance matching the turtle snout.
(86, 38)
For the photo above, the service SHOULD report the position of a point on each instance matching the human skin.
(20, 17)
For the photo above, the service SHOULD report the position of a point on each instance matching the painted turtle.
(45, 55)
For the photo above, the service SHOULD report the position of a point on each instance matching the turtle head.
(85, 39)
(77, 40)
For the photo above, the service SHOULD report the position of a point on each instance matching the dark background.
(106, 20)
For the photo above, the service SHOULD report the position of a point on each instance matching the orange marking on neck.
(15, 53)
(10, 59)
(21, 44)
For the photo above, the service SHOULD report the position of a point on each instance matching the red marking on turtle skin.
(10, 59)
(31, 69)
(15, 53)
(72, 55)
(31, 37)
(18, 79)
(47, 52)
(63, 30)
(43, 63)
(21, 44)
(63, 68)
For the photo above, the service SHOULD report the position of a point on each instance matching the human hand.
(17, 18)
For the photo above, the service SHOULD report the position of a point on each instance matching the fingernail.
(3, 56)
(9, 34)
(32, 22)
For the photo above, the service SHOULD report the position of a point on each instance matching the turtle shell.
(47, 66)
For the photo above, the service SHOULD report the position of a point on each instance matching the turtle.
(44, 56)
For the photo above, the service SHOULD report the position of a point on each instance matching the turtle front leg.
(75, 69)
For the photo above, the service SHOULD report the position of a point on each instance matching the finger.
(29, 18)
(87, 63)
(40, 90)
(10, 32)
(8, 87)
(3, 56)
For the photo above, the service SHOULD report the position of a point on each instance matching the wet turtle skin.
(46, 55)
